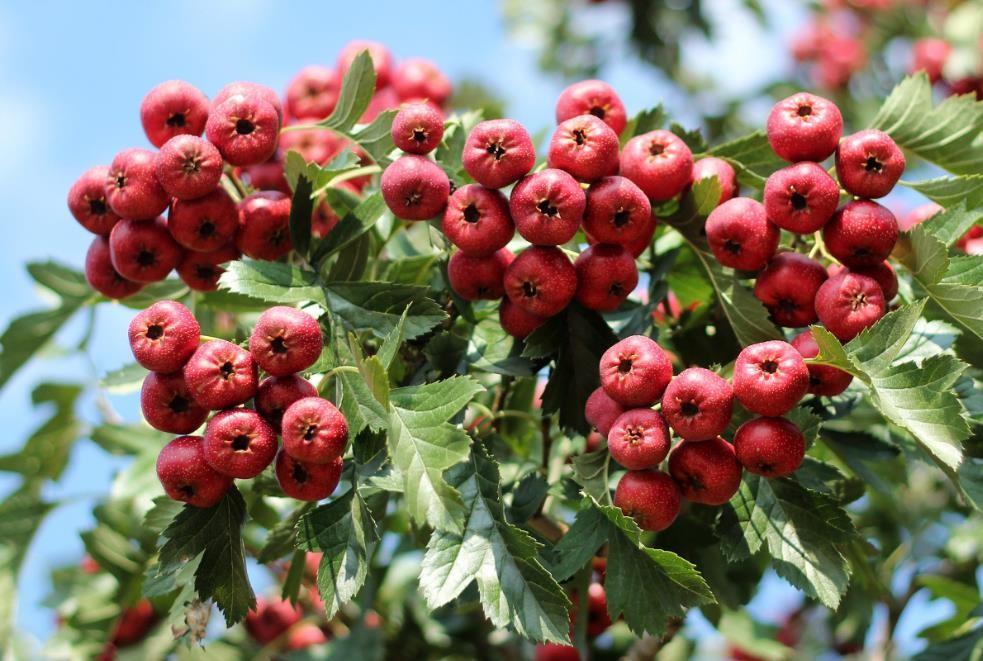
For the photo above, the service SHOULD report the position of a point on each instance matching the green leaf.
(357, 88)
(949, 225)
(949, 135)
(376, 138)
(125, 379)
(352, 225)
(282, 538)
(585, 338)
(590, 471)
(752, 638)
(344, 531)
(871, 459)
(491, 349)
(273, 282)
(391, 344)
(301, 208)
(752, 157)
(527, 497)
(916, 397)
(128, 439)
(951, 191)
(953, 284)
(28, 333)
(968, 646)
(359, 405)
(800, 529)
(965, 598)
(20, 516)
(515, 589)
(646, 120)
(423, 444)
(378, 307)
(44, 456)
(215, 534)
(68, 283)
(670, 583)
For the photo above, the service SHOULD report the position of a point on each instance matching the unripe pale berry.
(415, 188)
(698, 404)
(659, 163)
(639, 439)
(848, 303)
(770, 447)
(163, 336)
(498, 152)
(770, 378)
(547, 207)
(285, 340)
(804, 127)
(788, 287)
(801, 198)
(477, 220)
(541, 280)
(649, 497)
(707, 472)
(740, 235)
(635, 371)
(585, 147)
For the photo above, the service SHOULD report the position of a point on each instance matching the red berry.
(245, 128)
(475, 278)
(477, 220)
(869, 163)
(883, 273)
(541, 280)
(710, 166)
(556, 652)
(638, 245)
(166, 402)
(415, 188)
(848, 303)
(698, 404)
(264, 225)
(788, 287)
(770, 447)
(592, 97)
(598, 618)
(188, 167)
(919, 215)
(659, 162)
(314, 145)
(285, 340)
(635, 371)
(173, 108)
(305, 635)
(585, 147)
(421, 80)
(267, 175)
(639, 439)
(517, 322)
(498, 152)
(601, 411)
(650, 497)
(382, 60)
(164, 336)
(306, 481)
(239, 443)
(770, 378)
(201, 270)
(312, 93)
(270, 619)
(143, 251)
(823, 380)
(245, 88)
(862, 233)
(547, 207)
(418, 128)
(707, 472)
(220, 374)
(740, 235)
(606, 275)
(314, 430)
(102, 276)
(132, 189)
(205, 223)
(617, 212)
(929, 55)
(87, 201)
(276, 393)
(801, 198)
(804, 127)
(134, 624)
(187, 477)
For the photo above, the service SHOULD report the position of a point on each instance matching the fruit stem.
(237, 185)
(345, 176)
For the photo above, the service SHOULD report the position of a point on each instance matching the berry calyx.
(206, 223)
(639, 439)
(635, 371)
(264, 225)
(592, 97)
(239, 443)
(698, 404)
(770, 378)
(740, 235)
(285, 340)
(584, 146)
(314, 431)
(276, 393)
(541, 280)
(547, 207)
(498, 152)
(801, 198)
(418, 128)
(415, 188)
(770, 447)
(788, 286)
(848, 303)
(220, 374)
(804, 127)
(869, 163)
(659, 163)
(477, 220)
(173, 108)
(617, 212)
(88, 204)
(474, 277)
(167, 404)
(164, 336)
(306, 481)
(606, 275)
(601, 411)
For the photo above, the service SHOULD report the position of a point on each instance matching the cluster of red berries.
(190, 378)
(206, 226)
(930, 54)
(590, 184)
(769, 379)
(802, 198)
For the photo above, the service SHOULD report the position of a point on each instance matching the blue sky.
(71, 80)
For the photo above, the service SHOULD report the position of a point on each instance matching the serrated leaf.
(423, 444)
(952, 223)
(752, 157)
(127, 378)
(491, 349)
(378, 307)
(351, 262)
(393, 341)
(590, 471)
(352, 225)
(357, 88)
(273, 282)
(282, 538)
(527, 497)
(301, 208)
(800, 529)
(951, 191)
(215, 534)
(68, 283)
(359, 405)
(343, 530)
(949, 134)
(376, 138)
(515, 589)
